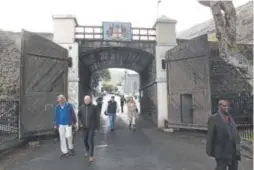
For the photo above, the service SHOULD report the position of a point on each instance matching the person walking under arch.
(112, 108)
(132, 113)
(122, 102)
(89, 119)
(65, 119)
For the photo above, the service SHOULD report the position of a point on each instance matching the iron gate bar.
(148, 85)
(179, 59)
(45, 56)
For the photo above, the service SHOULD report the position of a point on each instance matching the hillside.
(244, 26)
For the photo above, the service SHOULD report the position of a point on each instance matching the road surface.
(145, 149)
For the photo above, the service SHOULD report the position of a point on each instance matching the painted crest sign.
(118, 31)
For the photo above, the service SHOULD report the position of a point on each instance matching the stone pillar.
(166, 39)
(64, 35)
(64, 29)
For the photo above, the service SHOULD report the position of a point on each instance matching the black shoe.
(64, 155)
(72, 152)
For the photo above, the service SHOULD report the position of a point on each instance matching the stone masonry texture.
(10, 45)
(9, 65)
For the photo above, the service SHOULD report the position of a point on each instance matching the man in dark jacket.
(223, 140)
(112, 108)
(89, 120)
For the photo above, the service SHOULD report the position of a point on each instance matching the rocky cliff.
(9, 64)
(244, 26)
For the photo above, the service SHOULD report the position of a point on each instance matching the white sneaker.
(86, 154)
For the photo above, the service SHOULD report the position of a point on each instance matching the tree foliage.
(109, 88)
(103, 75)
(100, 75)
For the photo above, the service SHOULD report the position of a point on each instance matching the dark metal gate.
(44, 70)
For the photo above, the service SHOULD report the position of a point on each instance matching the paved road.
(145, 149)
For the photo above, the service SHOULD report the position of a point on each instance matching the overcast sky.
(34, 15)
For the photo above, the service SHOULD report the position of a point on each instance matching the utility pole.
(157, 9)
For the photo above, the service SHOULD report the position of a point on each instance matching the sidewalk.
(145, 149)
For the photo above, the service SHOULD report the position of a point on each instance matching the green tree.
(119, 83)
(108, 87)
(100, 75)
(103, 74)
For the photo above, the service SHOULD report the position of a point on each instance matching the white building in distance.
(131, 83)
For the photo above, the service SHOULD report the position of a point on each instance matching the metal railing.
(96, 33)
(246, 131)
(9, 114)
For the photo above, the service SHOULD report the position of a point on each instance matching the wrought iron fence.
(9, 113)
(246, 131)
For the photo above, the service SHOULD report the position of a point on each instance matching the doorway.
(186, 108)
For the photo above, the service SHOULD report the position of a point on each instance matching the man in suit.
(223, 140)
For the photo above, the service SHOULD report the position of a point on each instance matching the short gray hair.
(61, 96)
(221, 102)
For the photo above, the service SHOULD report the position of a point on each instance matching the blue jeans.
(112, 120)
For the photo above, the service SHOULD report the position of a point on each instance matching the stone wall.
(84, 82)
(195, 68)
(10, 45)
(9, 65)
(148, 90)
(228, 83)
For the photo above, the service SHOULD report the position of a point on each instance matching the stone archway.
(154, 84)
(134, 59)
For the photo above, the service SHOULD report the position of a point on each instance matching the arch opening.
(97, 59)
(116, 81)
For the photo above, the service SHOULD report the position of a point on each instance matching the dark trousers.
(88, 135)
(122, 107)
(223, 165)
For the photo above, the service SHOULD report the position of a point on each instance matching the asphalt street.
(145, 149)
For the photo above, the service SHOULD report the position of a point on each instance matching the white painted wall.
(64, 35)
(166, 39)
(73, 76)
(64, 29)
